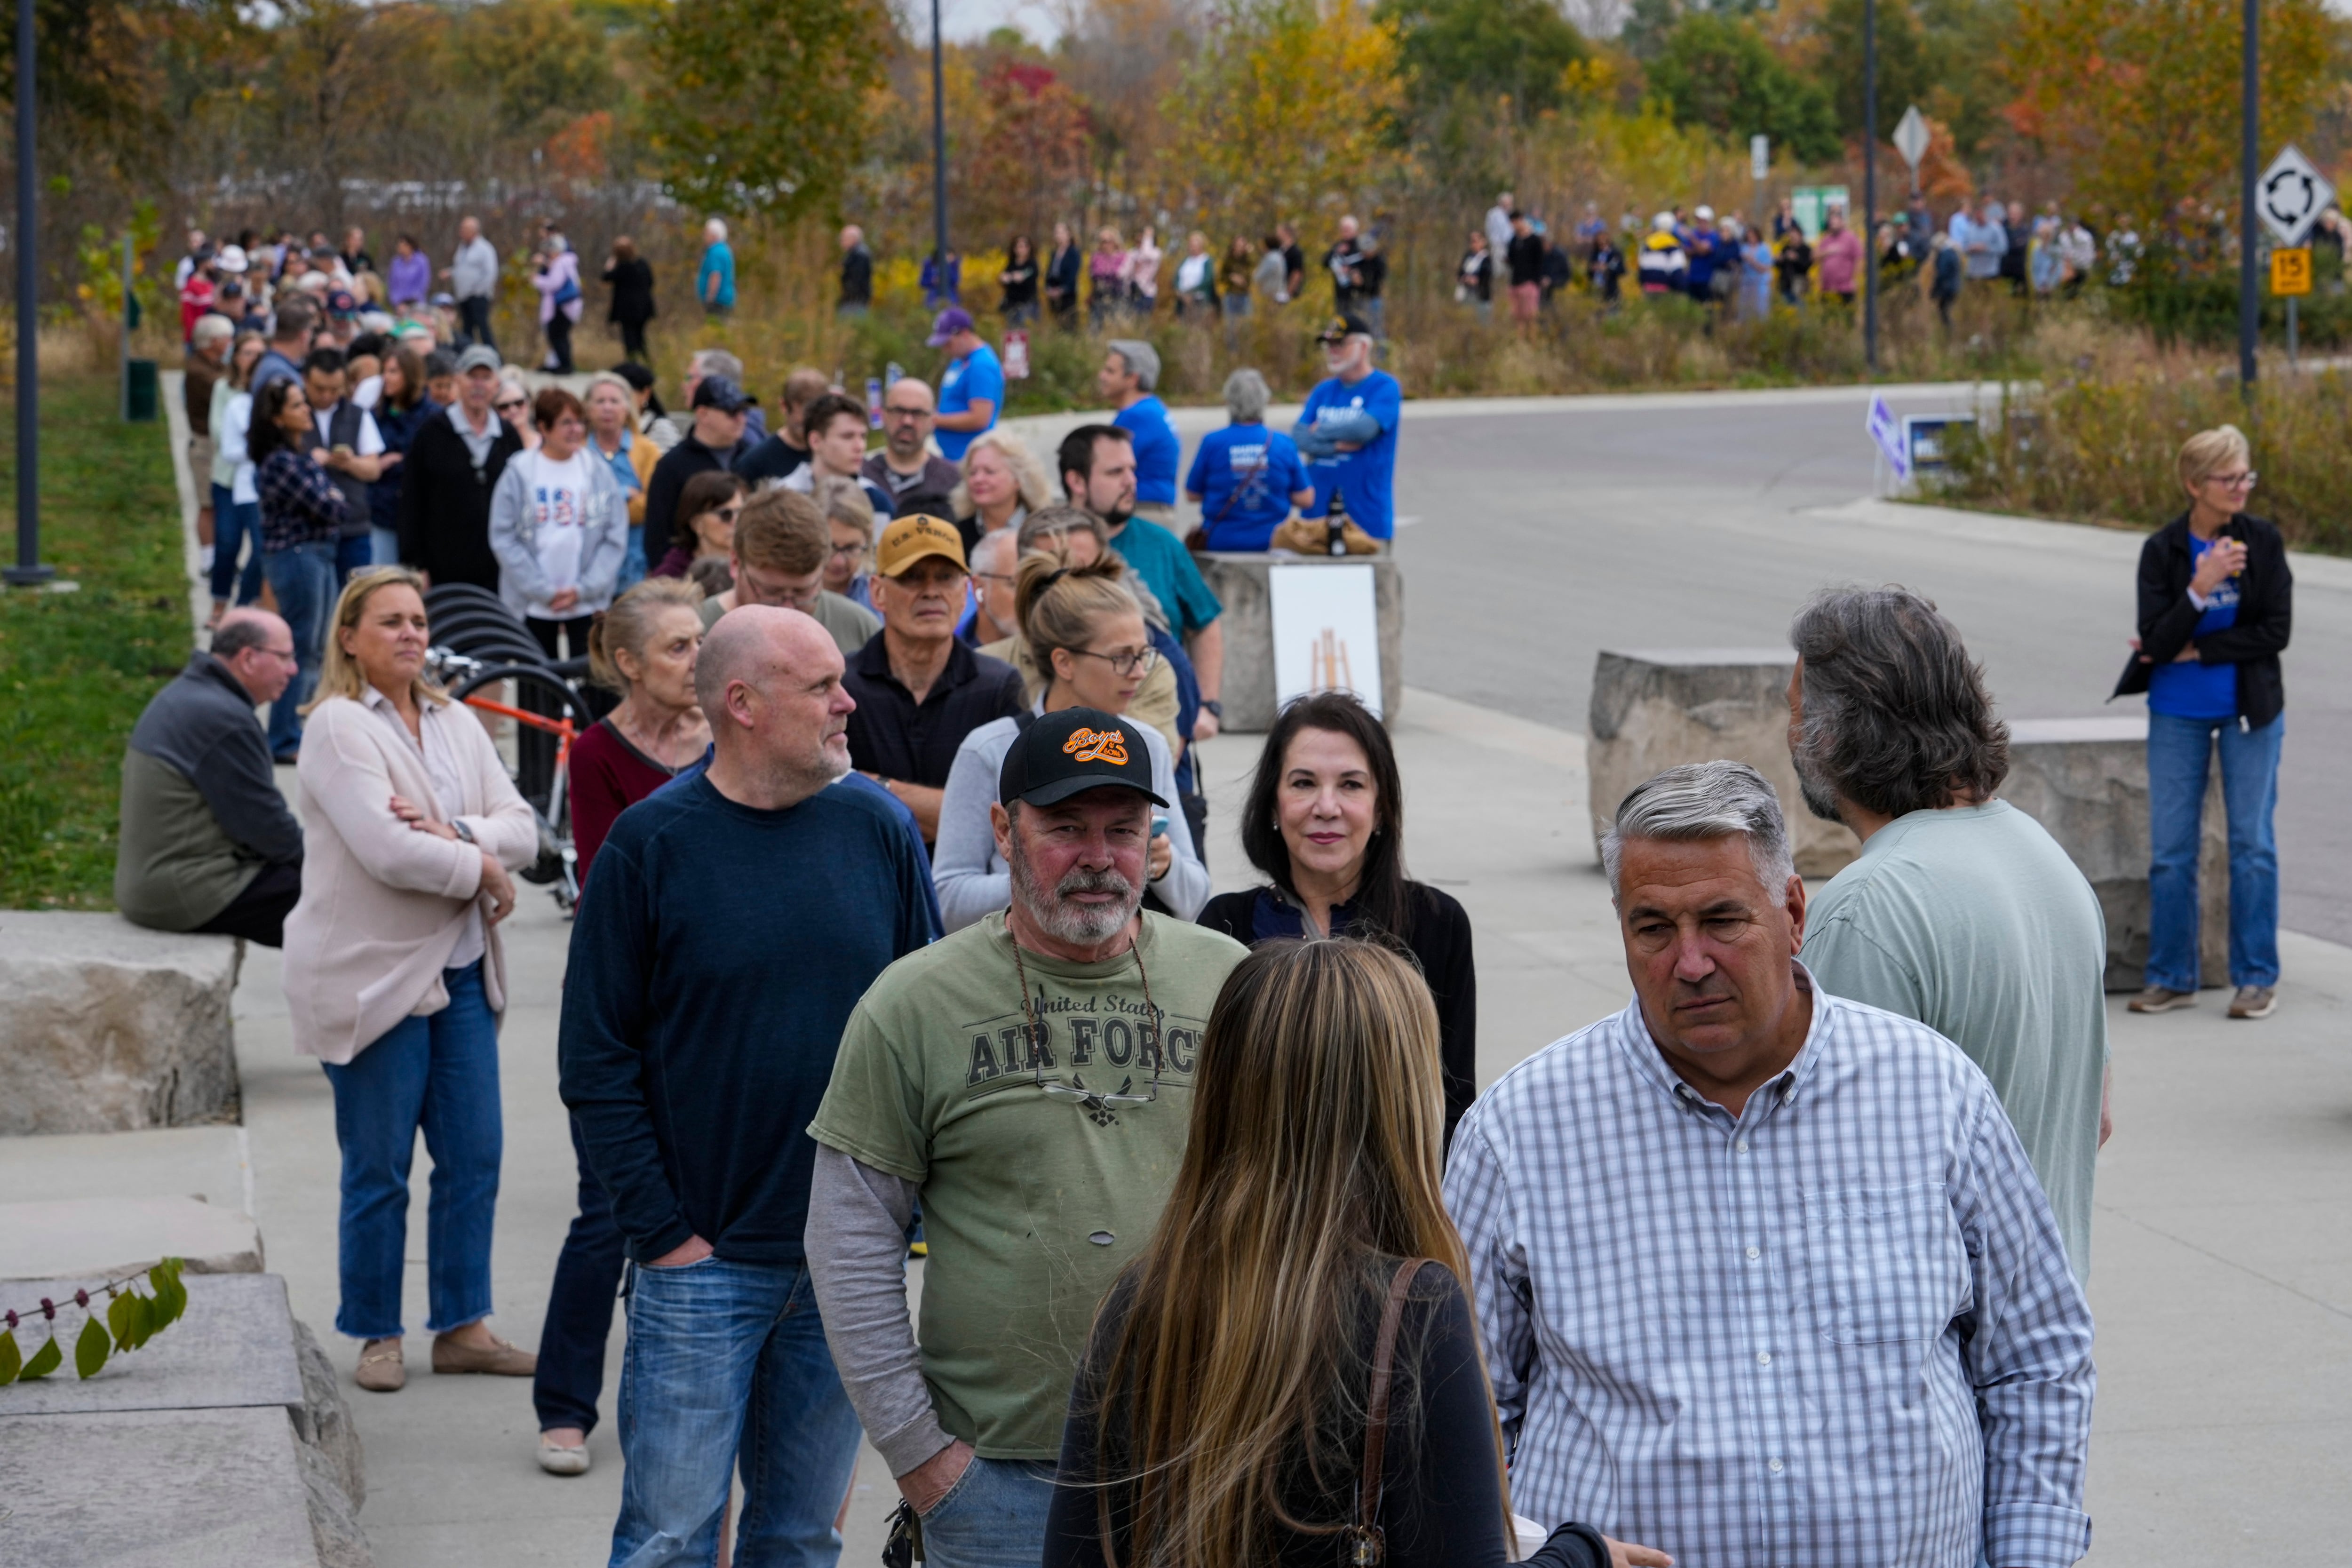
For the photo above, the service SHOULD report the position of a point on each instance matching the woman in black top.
(1219, 1416)
(631, 278)
(1019, 281)
(1325, 821)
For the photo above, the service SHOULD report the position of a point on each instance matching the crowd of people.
(1228, 1257)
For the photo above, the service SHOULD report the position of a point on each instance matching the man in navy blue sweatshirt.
(736, 922)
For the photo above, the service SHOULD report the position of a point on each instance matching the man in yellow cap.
(920, 689)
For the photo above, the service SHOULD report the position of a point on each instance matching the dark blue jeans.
(579, 1310)
(440, 1074)
(2179, 755)
(353, 553)
(726, 1367)
(235, 524)
(303, 578)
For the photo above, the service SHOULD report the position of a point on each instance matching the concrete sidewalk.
(2223, 1246)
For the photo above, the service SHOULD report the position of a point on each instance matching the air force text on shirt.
(1128, 1037)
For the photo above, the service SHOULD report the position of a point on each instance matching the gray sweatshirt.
(474, 270)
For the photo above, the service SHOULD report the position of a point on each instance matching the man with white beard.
(1024, 1081)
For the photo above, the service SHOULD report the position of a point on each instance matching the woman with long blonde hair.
(395, 974)
(1224, 1414)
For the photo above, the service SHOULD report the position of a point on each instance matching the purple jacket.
(409, 278)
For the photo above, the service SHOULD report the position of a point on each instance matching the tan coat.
(382, 905)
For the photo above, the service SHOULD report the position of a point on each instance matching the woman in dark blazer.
(1325, 821)
(631, 278)
(2216, 604)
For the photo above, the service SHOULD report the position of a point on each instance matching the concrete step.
(107, 1237)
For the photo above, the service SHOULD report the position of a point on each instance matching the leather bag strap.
(1366, 1534)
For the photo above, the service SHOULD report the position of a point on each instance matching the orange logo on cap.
(1098, 746)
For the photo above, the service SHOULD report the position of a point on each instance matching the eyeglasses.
(847, 551)
(1140, 662)
(727, 513)
(891, 413)
(1097, 1105)
(507, 407)
(995, 577)
(2244, 481)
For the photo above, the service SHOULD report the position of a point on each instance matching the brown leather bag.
(1365, 1542)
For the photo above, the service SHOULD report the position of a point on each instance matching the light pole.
(1870, 184)
(28, 572)
(2249, 174)
(939, 157)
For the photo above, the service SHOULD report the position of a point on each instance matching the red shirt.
(608, 776)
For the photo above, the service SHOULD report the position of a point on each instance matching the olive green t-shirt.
(1033, 1201)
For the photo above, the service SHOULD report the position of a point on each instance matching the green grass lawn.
(76, 668)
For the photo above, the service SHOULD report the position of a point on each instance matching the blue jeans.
(727, 1366)
(579, 1310)
(2179, 752)
(385, 543)
(440, 1074)
(632, 562)
(234, 523)
(993, 1517)
(303, 578)
(353, 553)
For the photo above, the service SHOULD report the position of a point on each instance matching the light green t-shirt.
(851, 624)
(1033, 1202)
(1975, 922)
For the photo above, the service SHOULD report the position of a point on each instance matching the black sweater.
(445, 502)
(1442, 1498)
(2167, 617)
(1440, 941)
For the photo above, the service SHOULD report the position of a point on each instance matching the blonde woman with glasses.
(1290, 1371)
(394, 974)
(1086, 632)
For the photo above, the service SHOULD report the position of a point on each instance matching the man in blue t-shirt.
(1245, 476)
(692, 1062)
(714, 280)
(1131, 370)
(971, 389)
(1349, 430)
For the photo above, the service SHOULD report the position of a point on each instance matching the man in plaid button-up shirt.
(1765, 1278)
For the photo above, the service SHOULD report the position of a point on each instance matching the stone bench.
(224, 1440)
(62, 1238)
(1654, 709)
(2085, 780)
(1240, 584)
(107, 1027)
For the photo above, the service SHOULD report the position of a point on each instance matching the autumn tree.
(1290, 108)
(2139, 104)
(1024, 154)
(760, 105)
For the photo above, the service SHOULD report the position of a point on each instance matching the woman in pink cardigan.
(395, 975)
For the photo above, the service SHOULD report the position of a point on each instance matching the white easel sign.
(1327, 632)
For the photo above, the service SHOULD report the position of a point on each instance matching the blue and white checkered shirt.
(1837, 1331)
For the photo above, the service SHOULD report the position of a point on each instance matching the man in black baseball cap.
(1025, 1078)
(717, 439)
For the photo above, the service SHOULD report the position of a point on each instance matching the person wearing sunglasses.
(1028, 1079)
(1086, 632)
(2215, 603)
(708, 509)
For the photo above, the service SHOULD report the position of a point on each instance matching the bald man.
(737, 920)
(916, 481)
(207, 843)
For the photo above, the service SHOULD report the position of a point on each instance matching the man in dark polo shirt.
(921, 689)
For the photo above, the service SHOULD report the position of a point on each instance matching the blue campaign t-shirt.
(1245, 476)
(979, 374)
(2195, 691)
(1157, 449)
(718, 261)
(1366, 476)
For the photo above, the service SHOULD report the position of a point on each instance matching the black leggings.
(559, 340)
(633, 341)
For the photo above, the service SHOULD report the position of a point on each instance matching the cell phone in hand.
(1158, 827)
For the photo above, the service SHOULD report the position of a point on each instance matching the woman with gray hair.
(1245, 478)
(1003, 483)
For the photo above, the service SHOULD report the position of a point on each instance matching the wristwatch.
(1211, 706)
(463, 831)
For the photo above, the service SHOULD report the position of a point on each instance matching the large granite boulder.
(2085, 780)
(109, 1027)
(1654, 709)
(1240, 582)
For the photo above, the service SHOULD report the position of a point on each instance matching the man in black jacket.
(452, 465)
(717, 440)
(2216, 607)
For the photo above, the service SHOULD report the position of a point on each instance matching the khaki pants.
(1160, 512)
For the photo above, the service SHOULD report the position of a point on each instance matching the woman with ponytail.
(1085, 631)
(1228, 1409)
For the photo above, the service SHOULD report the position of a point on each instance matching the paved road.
(1543, 537)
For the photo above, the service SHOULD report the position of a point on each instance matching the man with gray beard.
(1024, 1079)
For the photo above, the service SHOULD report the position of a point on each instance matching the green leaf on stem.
(45, 1360)
(11, 1359)
(91, 1350)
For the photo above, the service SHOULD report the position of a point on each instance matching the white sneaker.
(558, 1461)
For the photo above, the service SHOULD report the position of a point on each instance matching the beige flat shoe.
(500, 1360)
(558, 1461)
(381, 1368)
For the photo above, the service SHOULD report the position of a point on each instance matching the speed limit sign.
(2291, 272)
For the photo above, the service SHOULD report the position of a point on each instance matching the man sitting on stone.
(208, 843)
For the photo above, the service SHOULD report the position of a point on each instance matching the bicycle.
(558, 865)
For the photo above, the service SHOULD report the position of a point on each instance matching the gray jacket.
(474, 270)
(514, 539)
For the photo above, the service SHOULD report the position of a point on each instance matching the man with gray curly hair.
(1961, 912)
(1764, 1274)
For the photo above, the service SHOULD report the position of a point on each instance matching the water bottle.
(1335, 525)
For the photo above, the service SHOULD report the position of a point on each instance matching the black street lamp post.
(1870, 184)
(28, 572)
(2249, 177)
